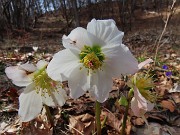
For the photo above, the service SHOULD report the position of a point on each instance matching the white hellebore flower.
(40, 89)
(91, 58)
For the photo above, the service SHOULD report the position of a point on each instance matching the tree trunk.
(76, 14)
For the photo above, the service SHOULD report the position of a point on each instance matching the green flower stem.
(98, 121)
(124, 120)
(49, 116)
(103, 122)
(130, 94)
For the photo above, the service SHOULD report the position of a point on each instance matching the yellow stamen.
(43, 83)
(92, 57)
(144, 84)
(91, 61)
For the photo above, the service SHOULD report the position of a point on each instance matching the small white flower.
(40, 89)
(91, 58)
(16, 50)
(35, 48)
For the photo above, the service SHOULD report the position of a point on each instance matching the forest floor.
(78, 115)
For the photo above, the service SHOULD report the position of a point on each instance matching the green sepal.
(123, 101)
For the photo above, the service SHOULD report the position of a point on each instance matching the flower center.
(144, 84)
(92, 57)
(43, 83)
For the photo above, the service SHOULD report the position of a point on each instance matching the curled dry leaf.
(112, 120)
(138, 121)
(36, 127)
(13, 94)
(176, 97)
(82, 124)
(168, 105)
(176, 88)
(12, 128)
(2, 126)
(76, 126)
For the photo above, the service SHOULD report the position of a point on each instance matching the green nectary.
(92, 57)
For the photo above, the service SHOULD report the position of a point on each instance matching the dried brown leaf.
(81, 124)
(168, 105)
(36, 127)
(138, 121)
(76, 126)
(176, 97)
(112, 120)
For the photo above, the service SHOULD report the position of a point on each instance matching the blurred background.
(43, 22)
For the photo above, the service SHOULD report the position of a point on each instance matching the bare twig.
(166, 23)
(75, 130)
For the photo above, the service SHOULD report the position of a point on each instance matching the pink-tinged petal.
(119, 60)
(78, 82)
(18, 77)
(101, 85)
(142, 64)
(41, 64)
(139, 104)
(150, 106)
(28, 67)
(62, 64)
(135, 107)
(106, 30)
(30, 104)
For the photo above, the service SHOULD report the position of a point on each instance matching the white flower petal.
(106, 30)
(30, 104)
(47, 100)
(78, 37)
(69, 43)
(59, 97)
(78, 82)
(28, 67)
(119, 60)
(41, 64)
(62, 64)
(142, 64)
(21, 83)
(18, 77)
(101, 85)
(35, 48)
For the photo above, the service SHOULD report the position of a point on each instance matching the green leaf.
(123, 101)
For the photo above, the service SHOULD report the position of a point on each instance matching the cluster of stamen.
(92, 57)
(144, 84)
(43, 83)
